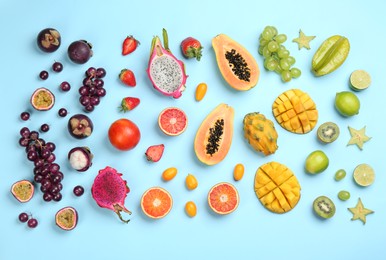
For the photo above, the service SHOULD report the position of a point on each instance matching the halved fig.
(23, 190)
(80, 158)
(80, 126)
(42, 99)
(66, 218)
(48, 40)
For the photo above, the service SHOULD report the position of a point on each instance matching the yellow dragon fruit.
(260, 133)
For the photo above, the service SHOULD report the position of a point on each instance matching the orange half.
(223, 198)
(156, 202)
(172, 121)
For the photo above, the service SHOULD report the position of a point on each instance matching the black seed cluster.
(238, 64)
(215, 134)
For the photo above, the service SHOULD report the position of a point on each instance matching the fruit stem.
(118, 210)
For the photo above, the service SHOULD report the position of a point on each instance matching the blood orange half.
(172, 121)
(223, 198)
(156, 202)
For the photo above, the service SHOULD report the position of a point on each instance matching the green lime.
(347, 103)
(364, 175)
(360, 80)
(316, 162)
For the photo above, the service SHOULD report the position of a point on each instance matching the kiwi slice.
(359, 80)
(328, 132)
(324, 207)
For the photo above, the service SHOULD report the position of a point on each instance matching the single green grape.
(283, 53)
(261, 49)
(291, 60)
(263, 42)
(278, 70)
(281, 38)
(271, 65)
(284, 64)
(266, 52)
(273, 30)
(295, 73)
(340, 174)
(267, 34)
(286, 75)
(343, 195)
(273, 46)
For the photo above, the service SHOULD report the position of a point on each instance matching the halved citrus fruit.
(156, 202)
(364, 175)
(223, 198)
(172, 121)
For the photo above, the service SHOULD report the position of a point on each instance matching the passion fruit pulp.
(66, 218)
(23, 190)
(42, 99)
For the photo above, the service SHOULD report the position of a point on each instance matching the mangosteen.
(80, 158)
(80, 51)
(48, 40)
(80, 126)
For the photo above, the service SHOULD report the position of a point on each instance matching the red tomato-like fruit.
(124, 134)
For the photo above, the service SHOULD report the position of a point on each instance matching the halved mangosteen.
(80, 126)
(80, 158)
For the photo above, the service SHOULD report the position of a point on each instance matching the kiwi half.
(324, 207)
(328, 132)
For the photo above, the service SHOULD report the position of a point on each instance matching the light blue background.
(251, 232)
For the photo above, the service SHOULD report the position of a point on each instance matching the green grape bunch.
(276, 57)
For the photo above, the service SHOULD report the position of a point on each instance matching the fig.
(80, 51)
(66, 218)
(80, 126)
(48, 40)
(80, 158)
(42, 99)
(23, 190)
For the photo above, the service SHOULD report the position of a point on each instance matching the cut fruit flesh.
(156, 202)
(328, 132)
(223, 198)
(172, 121)
(364, 175)
(23, 190)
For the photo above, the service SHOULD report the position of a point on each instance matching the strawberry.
(127, 77)
(154, 152)
(191, 48)
(129, 103)
(129, 45)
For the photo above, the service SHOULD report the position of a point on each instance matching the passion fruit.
(80, 51)
(48, 40)
(80, 126)
(66, 218)
(42, 99)
(23, 190)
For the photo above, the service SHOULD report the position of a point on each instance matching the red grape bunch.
(92, 90)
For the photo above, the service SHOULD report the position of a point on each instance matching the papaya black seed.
(239, 66)
(215, 134)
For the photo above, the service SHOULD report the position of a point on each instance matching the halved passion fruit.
(23, 190)
(42, 99)
(66, 218)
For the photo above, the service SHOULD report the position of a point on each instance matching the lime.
(316, 162)
(347, 103)
(360, 80)
(364, 175)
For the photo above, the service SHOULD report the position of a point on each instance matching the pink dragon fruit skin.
(165, 71)
(109, 191)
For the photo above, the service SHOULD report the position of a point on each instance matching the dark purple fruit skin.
(53, 45)
(79, 117)
(88, 154)
(57, 215)
(80, 51)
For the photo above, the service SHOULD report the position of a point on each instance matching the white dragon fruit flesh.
(165, 71)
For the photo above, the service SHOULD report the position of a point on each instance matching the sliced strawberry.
(129, 45)
(129, 103)
(127, 77)
(155, 152)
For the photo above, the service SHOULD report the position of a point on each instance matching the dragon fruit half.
(109, 191)
(165, 71)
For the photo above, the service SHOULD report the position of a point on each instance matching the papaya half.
(238, 67)
(214, 136)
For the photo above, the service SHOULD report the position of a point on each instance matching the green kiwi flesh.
(324, 207)
(328, 132)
